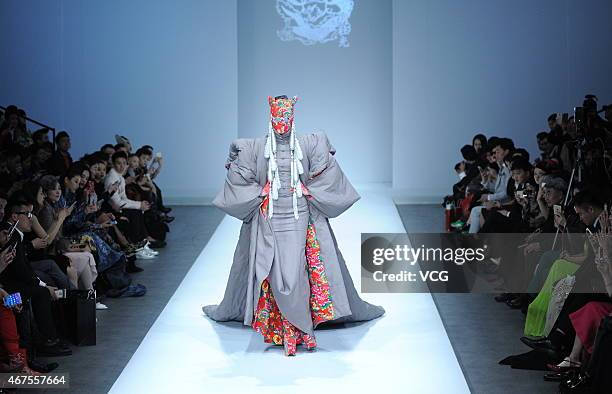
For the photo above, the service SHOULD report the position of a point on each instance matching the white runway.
(405, 351)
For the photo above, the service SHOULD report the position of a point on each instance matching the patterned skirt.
(268, 319)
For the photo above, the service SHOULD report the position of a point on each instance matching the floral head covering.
(281, 113)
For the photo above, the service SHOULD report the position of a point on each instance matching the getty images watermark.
(456, 263)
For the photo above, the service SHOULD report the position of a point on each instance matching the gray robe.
(254, 257)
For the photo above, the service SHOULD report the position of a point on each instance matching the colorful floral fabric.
(268, 319)
(321, 305)
(281, 112)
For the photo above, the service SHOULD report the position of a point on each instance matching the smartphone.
(60, 293)
(12, 229)
(521, 194)
(12, 300)
(557, 210)
(158, 155)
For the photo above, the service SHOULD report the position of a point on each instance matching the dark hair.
(83, 164)
(48, 182)
(457, 166)
(117, 155)
(16, 201)
(39, 133)
(119, 146)
(60, 135)
(469, 153)
(144, 150)
(132, 155)
(492, 143)
(544, 135)
(549, 166)
(482, 138)
(587, 198)
(521, 164)
(97, 158)
(504, 143)
(552, 117)
(106, 146)
(30, 192)
(520, 153)
(74, 170)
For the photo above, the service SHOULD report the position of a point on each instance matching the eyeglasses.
(28, 214)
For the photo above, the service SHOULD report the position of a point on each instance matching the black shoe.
(168, 219)
(503, 297)
(165, 209)
(132, 268)
(55, 350)
(41, 367)
(578, 383)
(558, 376)
(517, 302)
(542, 343)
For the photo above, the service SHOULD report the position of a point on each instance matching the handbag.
(78, 317)
(560, 292)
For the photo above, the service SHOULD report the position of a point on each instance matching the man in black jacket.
(20, 277)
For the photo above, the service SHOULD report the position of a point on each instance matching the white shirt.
(119, 199)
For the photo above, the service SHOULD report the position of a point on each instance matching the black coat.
(19, 274)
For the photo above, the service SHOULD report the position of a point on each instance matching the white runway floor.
(405, 351)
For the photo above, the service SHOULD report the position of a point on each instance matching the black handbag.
(78, 317)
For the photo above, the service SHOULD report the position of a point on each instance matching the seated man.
(134, 227)
(20, 277)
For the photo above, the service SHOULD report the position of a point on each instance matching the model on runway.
(288, 275)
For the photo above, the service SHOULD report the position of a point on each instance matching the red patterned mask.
(281, 113)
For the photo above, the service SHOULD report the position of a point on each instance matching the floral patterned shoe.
(310, 342)
(290, 347)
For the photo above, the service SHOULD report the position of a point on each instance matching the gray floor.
(481, 330)
(121, 328)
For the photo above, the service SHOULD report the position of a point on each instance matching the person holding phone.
(151, 165)
(134, 228)
(501, 148)
(18, 360)
(19, 277)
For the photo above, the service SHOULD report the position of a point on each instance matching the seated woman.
(587, 319)
(79, 268)
(79, 225)
(567, 263)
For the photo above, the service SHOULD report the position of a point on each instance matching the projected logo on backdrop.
(311, 21)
